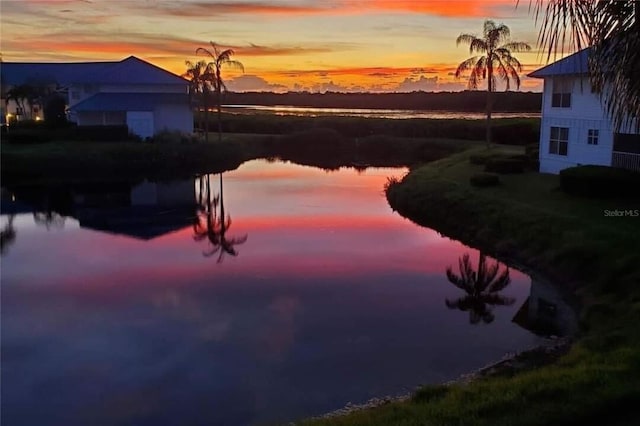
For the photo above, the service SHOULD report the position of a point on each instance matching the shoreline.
(510, 363)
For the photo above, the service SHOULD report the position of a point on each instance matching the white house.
(575, 128)
(131, 92)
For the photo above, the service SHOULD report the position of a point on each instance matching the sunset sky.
(317, 45)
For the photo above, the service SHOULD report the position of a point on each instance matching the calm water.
(125, 312)
(370, 113)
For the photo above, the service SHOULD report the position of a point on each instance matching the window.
(592, 137)
(561, 97)
(559, 140)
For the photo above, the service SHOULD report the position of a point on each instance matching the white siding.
(173, 117)
(586, 112)
(141, 123)
(93, 118)
(578, 150)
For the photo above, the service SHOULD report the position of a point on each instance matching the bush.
(482, 180)
(28, 135)
(505, 165)
(175, 137)
(600, 182)
(101, 133)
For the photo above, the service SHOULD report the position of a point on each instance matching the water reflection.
(482, 288)
(117, 319)
(7, 235)
(546, 312)
(49, 219)
(212, 221)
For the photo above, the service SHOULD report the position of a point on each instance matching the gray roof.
(131, 70)
(129, 101)
(575, 64)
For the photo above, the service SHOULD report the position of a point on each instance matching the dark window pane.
(566, 100)
(564, 133)
(553, 147)
(556, 100)
(562, 148)
(555, 132)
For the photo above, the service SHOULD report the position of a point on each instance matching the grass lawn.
(528, 220)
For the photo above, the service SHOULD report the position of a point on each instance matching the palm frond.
(465, 66)
(501, 282)
(465, 39)
(611, 28)
(516, 46)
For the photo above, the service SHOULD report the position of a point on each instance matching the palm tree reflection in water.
(482, 288)
(212, 222)
(7, 235)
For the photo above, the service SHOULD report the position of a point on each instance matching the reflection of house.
(546, 312)
(575, 128)
(144, 211)
(131, 92)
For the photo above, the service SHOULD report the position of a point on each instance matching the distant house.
(131, 92)
(575, 127)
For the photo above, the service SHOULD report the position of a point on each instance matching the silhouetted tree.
(213, 225)
(49, 219)
(21, 95)
(7, 235)
(219, 58)
(612, 29)
(494, 60)
(482, 288)
(201, 78)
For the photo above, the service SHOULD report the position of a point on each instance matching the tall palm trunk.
(222, 219)
(206, 116)
(219, 89)
(489, 102)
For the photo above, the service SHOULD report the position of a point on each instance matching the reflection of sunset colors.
(327, 223)
(329, 287)
(340, 45)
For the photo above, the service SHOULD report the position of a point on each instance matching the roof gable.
(575, 64)
(131, 70)
(17, 73)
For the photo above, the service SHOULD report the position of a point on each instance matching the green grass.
(528, 220)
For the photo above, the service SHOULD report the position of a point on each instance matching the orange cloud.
(448, 8)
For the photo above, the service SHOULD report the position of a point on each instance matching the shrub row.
(600, 182)
(42, 133)
(506, 131)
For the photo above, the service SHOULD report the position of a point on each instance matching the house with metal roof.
(132, 92)
(575, 127)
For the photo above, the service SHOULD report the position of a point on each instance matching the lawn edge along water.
(528, 220)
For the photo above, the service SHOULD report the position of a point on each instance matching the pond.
(290, 294)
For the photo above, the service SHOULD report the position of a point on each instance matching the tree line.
(467, 101)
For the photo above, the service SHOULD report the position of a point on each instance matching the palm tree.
(494, 59)
(20, 94)
(7, 235)
(200, 76)
(219, 58)
(612, 29)
(213, 226)
(481, 288)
